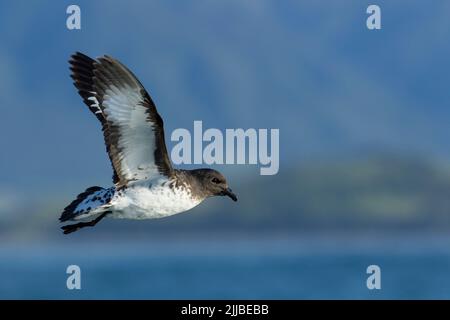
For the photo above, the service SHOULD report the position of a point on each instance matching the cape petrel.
(146, 186)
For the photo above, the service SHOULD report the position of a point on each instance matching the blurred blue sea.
(296, 268)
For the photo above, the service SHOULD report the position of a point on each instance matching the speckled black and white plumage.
(145, 183)
(88, 201)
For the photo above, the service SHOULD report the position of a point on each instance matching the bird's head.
(214, 183)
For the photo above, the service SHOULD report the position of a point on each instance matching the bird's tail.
(87, 203)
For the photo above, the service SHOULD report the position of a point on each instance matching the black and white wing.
(132, 128)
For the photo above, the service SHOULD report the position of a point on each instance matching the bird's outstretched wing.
(132, 128)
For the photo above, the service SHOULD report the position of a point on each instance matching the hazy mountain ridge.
(371, 193)
(310, 69)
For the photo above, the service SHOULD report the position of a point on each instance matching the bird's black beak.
(228, 192)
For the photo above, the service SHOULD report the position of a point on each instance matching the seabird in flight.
(146, 186)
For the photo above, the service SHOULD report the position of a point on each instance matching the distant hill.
(377, 193)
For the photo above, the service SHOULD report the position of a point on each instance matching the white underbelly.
(151, 203)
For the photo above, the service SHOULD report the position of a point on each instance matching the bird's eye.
(215, 180)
